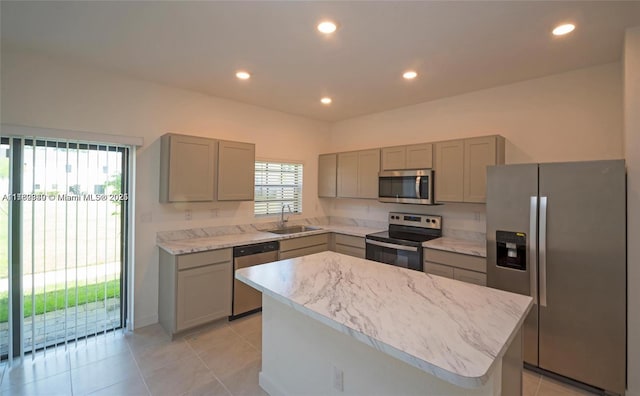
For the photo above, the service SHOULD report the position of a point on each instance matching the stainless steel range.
(401, 245)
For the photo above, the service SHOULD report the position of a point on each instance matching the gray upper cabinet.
(236, 171)
(187, 168)
(368, 169)
(394, 158)
(348, 175)
(461, 167)
(327, 175)
(197, 169)
(415, 156)
(449, 171)
(478, 154)
(358, 174)
(420, 156)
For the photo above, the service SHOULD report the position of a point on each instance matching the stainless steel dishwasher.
(246, 299)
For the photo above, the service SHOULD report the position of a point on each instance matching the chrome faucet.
(282, 219)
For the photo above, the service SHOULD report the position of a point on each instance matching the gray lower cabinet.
(348, 244)
(463, 267)
(194, 288)
(301, 246)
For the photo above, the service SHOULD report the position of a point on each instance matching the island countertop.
(453, 330)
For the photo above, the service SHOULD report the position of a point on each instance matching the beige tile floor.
(221, 359)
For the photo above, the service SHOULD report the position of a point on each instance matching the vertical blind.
(71, 210)
(277, 184)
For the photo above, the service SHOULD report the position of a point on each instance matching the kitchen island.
(335, 324)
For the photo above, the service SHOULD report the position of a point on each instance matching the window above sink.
(277, 184)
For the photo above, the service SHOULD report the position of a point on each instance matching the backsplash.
(192, 233)
(459, 220)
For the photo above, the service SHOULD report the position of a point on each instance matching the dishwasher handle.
(256, 248)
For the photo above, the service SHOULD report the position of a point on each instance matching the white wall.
(564, 117)
(51, 93)
(632, 155)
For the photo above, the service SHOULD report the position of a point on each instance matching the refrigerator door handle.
(533, 248)
(543, 251)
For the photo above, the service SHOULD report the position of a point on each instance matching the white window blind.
(277, 184)
(64, 270)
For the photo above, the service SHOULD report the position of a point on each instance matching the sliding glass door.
(66, 242)
(4, 247)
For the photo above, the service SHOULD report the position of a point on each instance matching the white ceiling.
(456, 47)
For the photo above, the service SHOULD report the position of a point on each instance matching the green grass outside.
(4, 219)
(55, 299)
(4, 239)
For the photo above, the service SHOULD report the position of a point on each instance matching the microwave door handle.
(418, 187)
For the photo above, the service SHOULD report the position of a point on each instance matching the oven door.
(390, 253)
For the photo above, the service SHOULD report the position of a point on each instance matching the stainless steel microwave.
(406, 186)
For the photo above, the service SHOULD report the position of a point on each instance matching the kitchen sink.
(293, 229)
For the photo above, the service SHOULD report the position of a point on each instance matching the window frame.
(297, 208)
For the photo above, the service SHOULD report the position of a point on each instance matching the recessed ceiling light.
(326, 100)
(563, 29)
(243, 75)
(327, 27)
(410, 75)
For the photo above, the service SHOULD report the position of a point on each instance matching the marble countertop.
(194, 245)
(463, 246)
(453, 330)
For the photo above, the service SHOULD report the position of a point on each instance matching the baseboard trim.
(145, 321)
(268, 386)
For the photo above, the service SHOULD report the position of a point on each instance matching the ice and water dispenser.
(511, 250)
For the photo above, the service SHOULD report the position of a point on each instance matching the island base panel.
(301, 356)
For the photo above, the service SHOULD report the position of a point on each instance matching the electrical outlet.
(476, 216)
(214, 212)
(338, 379)
(187, 214)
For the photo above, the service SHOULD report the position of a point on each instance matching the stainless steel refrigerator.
(557, 232)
